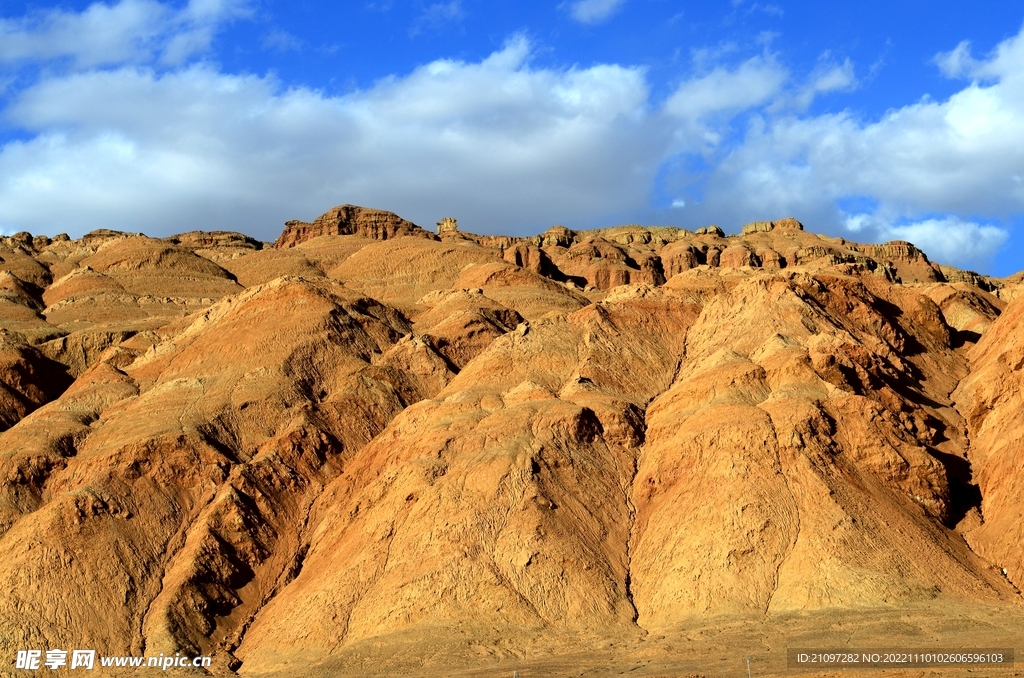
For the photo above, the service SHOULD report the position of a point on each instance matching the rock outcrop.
(349, 220)
(370, 450)
(990, 398)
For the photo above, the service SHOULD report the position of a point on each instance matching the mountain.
(373, 449)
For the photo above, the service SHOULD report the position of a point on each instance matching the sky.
(873, 120)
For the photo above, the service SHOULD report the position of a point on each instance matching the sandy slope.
(373, 451)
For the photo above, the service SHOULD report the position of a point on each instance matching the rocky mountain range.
(373, 449)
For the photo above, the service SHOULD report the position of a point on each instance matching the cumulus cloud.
(826, 79)
(703, 106)
(102, 34)
(1005, 63)
(500, 143)
(509, 144)
(958, 62)
(594, 11)
(130, 31)
(948, 239)
(949, 158)
(724, 91)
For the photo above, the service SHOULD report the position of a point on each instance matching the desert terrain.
(370, 448)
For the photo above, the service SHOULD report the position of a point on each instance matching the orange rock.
(350, 220)
(770, 259)
(990, 400)
(368, 447)
(678, 257)
(530, 257)
(737, 256)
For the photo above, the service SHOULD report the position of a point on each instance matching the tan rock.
(678, 257)
(447, 225)
(217, 246)
(911, 264)
(737, 256)
(369, 449)
(262, 267)
(531, 295)
(28, 379)
(789, 223)
(239, 445)
(556, 236)
(349, 220)
(460, 325)
(711, 230)
(530, 257)
(770, 259)
(757, 227)
(599, 263)
(990, 400)
(402, 271)
(966, 308)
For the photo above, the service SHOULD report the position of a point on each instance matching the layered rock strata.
(371, 447)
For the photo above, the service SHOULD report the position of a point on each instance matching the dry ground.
(710, 647)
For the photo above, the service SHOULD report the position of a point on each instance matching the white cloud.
(949, 239)
(703, 106)
(771, 9)
(131, 31)
(594, 11)
(958, 62)
(100, 35)
(825, 79)
(504, 145)
(444, 11)
(1005, 63)
(953, 158)
(724, 91)
(768, 8)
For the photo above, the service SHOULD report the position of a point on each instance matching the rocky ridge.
(372, 443)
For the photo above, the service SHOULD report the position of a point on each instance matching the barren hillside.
(370, 449)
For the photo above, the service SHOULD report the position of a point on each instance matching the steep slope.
(991, 401)
(373, 449)
(501, 505)
(802, 441)
(195, 472)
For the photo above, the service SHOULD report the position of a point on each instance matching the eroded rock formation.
(371, 447)
(349, 220)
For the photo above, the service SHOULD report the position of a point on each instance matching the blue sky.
(865, 120)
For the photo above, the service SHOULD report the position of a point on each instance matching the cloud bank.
(126, 128)
(131, 31)
(926, 172)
